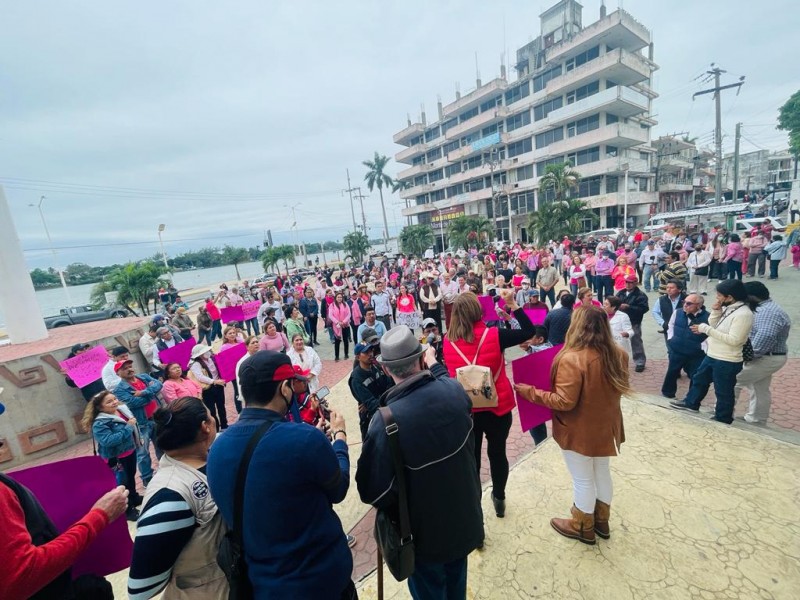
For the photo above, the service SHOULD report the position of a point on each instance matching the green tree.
(270, 259)
(285, 252)
(789, 120)
(375, 177)
(556, 219)
(415, 239)
(44, 279)
(561, 178)
(234, 256)
(134, 284)
(466, 231)
(356, 245)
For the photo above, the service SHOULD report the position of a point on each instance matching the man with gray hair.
(165, 339)
(430, 414)
(685, 349)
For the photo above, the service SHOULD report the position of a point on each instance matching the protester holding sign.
(204, 371)
(590, 374)
(83, 369)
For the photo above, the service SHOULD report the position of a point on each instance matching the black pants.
(539, 433)
(346, 339)
(496, 430)
(386, 320)
(678, 363)
(214, 399)
(128, 464)
(349, 592)
(237, 401)
(312, 328)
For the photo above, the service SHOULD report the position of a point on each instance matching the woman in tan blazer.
(589, 376)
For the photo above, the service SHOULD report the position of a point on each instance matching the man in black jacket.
(684, 347)
(434, 428)
(635, 305)
(367, 383)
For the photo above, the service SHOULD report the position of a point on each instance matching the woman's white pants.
(591, 479)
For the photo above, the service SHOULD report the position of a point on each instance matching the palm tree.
(270, 258)
(375, 177)
(561, 178)
(234, 256)
(356, 245)
(285, 252)
(134, 284)
(397, 187)
(415, 239)
(554, 220)
(465, 231)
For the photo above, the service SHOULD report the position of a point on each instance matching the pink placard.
(227, 360)
(534, 369)
(536, 315)
(87, 366)
(179, 353)
(250, 310)
(487, 305)
(87, 478)
(232, 313)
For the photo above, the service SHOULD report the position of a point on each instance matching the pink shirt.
(276, 343)
(179, 388)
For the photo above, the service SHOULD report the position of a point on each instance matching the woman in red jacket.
(464, 338)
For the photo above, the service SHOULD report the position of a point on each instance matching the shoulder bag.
(477, 380)
(395, 539)
(230, 556)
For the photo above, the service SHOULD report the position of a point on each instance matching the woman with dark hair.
(295, 324)
(309, 307)
(116, 433)
(339, 315)
(176, 385)
(734, 256)
(728, 331)
(470, 342)
(588, 378)
(203, 370)
(180, 528)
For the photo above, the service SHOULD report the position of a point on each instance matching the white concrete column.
(23, 317)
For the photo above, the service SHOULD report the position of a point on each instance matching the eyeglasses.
(685, 303)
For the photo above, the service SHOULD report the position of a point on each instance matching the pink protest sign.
(87, 366)
(179, 353)
(232, 313)
(227, 359)
(487, 305)
(250, 310)
(87, 478)
(534, 370)
(536, 315)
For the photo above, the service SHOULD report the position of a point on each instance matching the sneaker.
(681, 406)
(351, 540)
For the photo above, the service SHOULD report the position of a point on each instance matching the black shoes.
(639, 368)
(132, 514)
(499, 507)
(681, 406)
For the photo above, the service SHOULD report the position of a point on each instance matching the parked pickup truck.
(84, 314)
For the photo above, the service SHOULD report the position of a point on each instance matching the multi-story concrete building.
(582, 95)
(681, 173)
(759, 169)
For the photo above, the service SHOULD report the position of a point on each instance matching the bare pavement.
(700, 510)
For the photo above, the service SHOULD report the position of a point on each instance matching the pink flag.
(87, 478)
(250, 310)
(232, 313)
(487, 304)
(227, 360)
(534, 369)
(179, 353)
(536, 315)
(86, 367)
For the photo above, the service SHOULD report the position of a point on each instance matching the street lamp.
(53, 250)
(161, 228)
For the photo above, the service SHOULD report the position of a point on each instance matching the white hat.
(199, 350)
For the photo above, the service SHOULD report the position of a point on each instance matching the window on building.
(610, 84)
(423, 199)
(473, 163)
(469, 138)
(420, 180)
(644, 125)
(589, 187)
(541, 80)
(542, 165)
(455, 190)
(435, 175)
(542, 110)
(432, 134)
(434, 154)
(643, 184)
(437, 195)
(452, 169)
(583, 125)
(424, 218)
(520, 147)
(490, 209)
(418, 160)
(474, 185)
(525, 172)
(612, 184)
(582, 157)
(583, 58)
(611, 151)
(448, 124)
(644, 155)
(583, 92)
(518, 92)
(416, 140)
(523, 203)
(490, 104)
(545, 196)
(451, 146)
(517, 121)
(467, 115)
(548, 137)
(611, 118)
(486, 131)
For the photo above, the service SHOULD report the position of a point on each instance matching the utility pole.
(350, 191)
(736, 163)
(361, 197)
(716, 72)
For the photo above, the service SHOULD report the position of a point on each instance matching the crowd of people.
(421, 337)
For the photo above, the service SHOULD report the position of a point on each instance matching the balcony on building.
(620, 101)
(409, 154)
(404, 136)
(675, 184)
(675, 163)
(618, 30)
(477, 146)
(479, 121)
(475, 97)
(618, 199)
(621, 135)
(416, 170)
(614, 166)
(461, 199)
(619, 65)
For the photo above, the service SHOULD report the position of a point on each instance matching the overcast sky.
(229, 112)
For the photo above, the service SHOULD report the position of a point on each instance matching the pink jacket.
(339, 315)
(734, 252)
(174, 389)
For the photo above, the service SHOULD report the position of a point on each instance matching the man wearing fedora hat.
(434, 429)
(635, 304)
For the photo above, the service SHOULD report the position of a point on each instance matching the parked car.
(743, 225)
(612, 232)
(84, 314)
(266, 279)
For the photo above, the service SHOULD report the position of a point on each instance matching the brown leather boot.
(601, 514)
(580, 527)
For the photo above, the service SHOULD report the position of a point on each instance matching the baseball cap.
(429, 322)
(370, 336)
(360, 348)
(301, 373)
(79, 347)
(121, 363)
(631, 279)
(265, 367)
(651, 242)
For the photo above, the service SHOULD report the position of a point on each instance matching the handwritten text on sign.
(86, 367)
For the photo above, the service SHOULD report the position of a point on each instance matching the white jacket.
(727, 331)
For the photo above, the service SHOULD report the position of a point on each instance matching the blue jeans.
(604, 286)
(722, 374)
(551, 294)
(143, 452)
(539, 433)
(735, 269)
(205, 334)
(650, 275)
(216, 329)
(252, 325)
(439, 581)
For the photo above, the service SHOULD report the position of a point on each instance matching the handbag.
(395, 539)
(748, 354)
(230, 556)
(478, 380)
(701, 271)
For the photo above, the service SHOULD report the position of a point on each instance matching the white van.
(744, 225)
